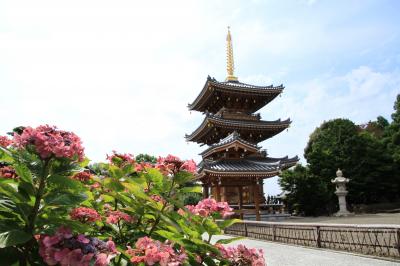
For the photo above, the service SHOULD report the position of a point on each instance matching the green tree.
(306, 193)
(368, 154)
(335, 144)
(392, 136)
(146, 158)
(360, 152)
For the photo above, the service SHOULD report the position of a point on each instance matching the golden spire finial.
(230, 66)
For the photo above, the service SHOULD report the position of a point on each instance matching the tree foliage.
(306, 193)
(368, 154)
(146, 158)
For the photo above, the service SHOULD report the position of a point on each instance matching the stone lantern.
(340, 181)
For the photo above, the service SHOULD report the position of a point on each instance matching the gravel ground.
(287, 255)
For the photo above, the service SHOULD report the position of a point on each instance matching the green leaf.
(115, 172)
(27, 188)
(128, 169)
(107, 198)
(57, 198)
(196, 189)
(85, 162)
(9, 256)
(183, 177)
(136, 190)
(64, 182)
(229, 240)
(209, 261)
(23, 172)
(9, 188)
(226, 223)
(5, 156)
(211, 227)
(113, 184)
(155, 176)
(169, 235)
(13, 237)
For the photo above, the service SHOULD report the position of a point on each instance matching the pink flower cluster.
(207, 207)
(5, 141)
(121, 159)
(142, 166)
(84, 215)
(67, 250)
(189, 166)
(157, 198)
(242, 256)
(172, 164)
(150, 252)
(113, 217)
(49, 141)
(8, 172)
(82, 176)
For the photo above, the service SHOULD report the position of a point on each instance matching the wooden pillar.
(218, 192)
(223, 196)
(205, 191)
(240, 188)
(256, 189)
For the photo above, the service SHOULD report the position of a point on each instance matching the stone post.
(340, 181)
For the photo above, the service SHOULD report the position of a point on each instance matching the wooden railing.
(377, 240)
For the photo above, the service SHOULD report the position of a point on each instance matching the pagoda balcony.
(237, 115)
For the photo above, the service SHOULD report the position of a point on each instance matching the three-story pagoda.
(234, 166)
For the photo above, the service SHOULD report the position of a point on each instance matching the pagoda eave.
(213, 129)
(216, 94)
(242, 174)
(255, 167)
(231, 141)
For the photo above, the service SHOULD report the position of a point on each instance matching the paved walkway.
(287, 255)
(377, 218)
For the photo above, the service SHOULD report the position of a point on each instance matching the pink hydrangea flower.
(8, 172)
(67, 250)
(82, 176)
(242, 256)
(206, 207)
(142, 166)
(102, 260)
(84, 214)
(172, 164)
(49, 141)
(121, 159)
(157, 198)
(189, 166)
(113, 217)
(5, 141)
(150, 252)
(95, 186)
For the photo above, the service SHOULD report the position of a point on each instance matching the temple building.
(234, 166)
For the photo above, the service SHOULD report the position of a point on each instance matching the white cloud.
(360, 95)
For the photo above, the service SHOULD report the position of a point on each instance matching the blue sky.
(121, 73)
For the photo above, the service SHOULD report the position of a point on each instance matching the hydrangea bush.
(55, 209)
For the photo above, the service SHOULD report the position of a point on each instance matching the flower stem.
(162, 209)
(38, 198)
(30, 226)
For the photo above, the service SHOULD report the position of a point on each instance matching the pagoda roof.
(213, 128)
(266, 167)
(211, 98)
(232, 139)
